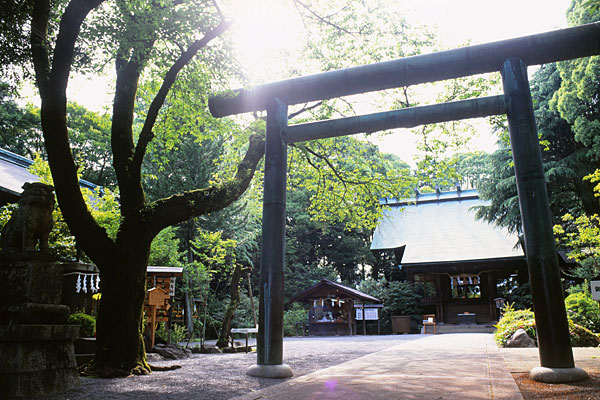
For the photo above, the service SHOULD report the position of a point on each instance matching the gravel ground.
(588, 389)
(223, 376)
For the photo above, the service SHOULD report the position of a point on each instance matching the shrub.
(178, 334)
(398, 297)
(583, 311)
(401, 298)
(86, 322)
(511, 321)
(291, 317)
(582, 337)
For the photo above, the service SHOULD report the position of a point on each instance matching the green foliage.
(584, 311)
(212, 252)
(243, 314)
(578, 310)
(87, 323)
(19, 126)
(582, 236)
(577, 98)
(518, 295)
(89, 134)
(582, 337)
(178, 334)
(359, 33)
(566, 162)
(402, 298)
(512, 320)
(320, 249)
(15, 46)
(5, 213)
(102, 202)
(165, 249)
(161, 332)
(297, 314)
(398, 297)
(345, 177)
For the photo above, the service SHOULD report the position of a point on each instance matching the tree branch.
(39, 45)
(305, 108)
(70, 24)
(52, 83)
(325, 19)
(178, 208)
(146, 134)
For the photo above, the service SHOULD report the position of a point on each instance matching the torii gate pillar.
(556, 355)
(269, 340)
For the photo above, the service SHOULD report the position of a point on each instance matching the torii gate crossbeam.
(511, 58)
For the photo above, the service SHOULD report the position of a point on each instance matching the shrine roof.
(14, 173)
(164, 271)
(330, 289)
(442, 227)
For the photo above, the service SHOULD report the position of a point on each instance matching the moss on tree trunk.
(234, 302)
(120, 349)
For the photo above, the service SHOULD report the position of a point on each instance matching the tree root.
(93, 370)
(167, 368)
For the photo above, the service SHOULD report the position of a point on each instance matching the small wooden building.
(160, 282)
(332, 308)
(81, 281)
(456, 260)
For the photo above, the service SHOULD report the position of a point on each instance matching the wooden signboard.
(156, 297)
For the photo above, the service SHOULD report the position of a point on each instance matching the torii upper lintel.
(559, 45)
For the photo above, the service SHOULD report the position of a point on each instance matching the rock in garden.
(520, 339)
(209, 349)
(170, 352)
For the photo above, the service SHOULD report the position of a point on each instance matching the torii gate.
(511, 58)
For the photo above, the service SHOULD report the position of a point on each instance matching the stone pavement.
(453, 366)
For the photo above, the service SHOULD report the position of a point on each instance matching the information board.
(371, 314)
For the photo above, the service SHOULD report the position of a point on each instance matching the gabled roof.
(330, 289)
(164, 271)
(14, 173)
(442, 228)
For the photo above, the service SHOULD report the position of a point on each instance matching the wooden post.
(544, 274)
(269, 340)
(152, 324)
(350, 306)
(252, 300)
(364, 319)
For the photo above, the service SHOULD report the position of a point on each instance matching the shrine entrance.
(511, 58)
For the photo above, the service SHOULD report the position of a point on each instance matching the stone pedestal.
(36, 346)
(37, 359)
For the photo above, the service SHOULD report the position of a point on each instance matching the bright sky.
(268, 34)
(266, 28)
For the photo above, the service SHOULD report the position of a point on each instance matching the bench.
(243, 331)
(429, 320)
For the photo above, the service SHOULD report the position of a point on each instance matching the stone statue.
(32, 222)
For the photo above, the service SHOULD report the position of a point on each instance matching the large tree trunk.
(234, 302)
(120, 348)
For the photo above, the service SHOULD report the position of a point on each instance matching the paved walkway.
(453, 366)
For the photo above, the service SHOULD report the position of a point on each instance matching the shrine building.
(456, 259)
